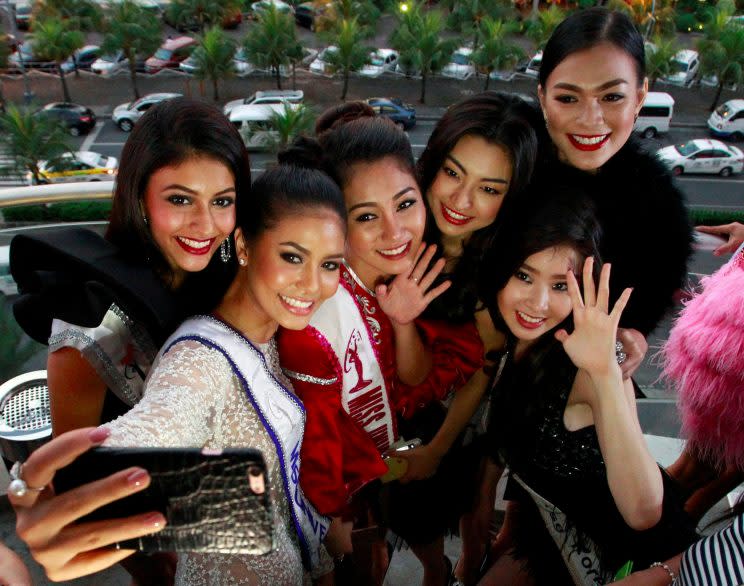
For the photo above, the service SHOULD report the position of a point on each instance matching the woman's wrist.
(665, 568)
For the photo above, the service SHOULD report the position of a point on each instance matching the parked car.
(320, 63)
(263, 6)
(231, 19)
(110, 64)
(79, 166)
(78, 119)
(533, 67)
(685, 65)
(460, 65)
(83, 57)
(702, 156)
(188, 65)
(407, 70)
(170, 54)
(380, 61)
(23, 12)
(307, 13)
(125, 115)
(655, 115)
(394, 108)
(24, 53)
(266, 97)
(727, 121)
(254, 123)
(241, 63)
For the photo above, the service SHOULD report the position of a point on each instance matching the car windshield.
(460, 59)
(686, 148)
(723, 111)
(163, 54)
(679, 66)
(97, 160)
(110, 58)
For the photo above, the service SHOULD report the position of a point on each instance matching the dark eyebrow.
(396, 197)
(184, 188)
(464, 172)
(606, 85)
(305, 251)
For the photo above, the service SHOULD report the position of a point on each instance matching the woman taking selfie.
(216, 384)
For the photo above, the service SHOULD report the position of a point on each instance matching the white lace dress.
(193, 399)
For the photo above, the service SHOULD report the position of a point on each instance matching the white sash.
(364, 392)
(282, 415)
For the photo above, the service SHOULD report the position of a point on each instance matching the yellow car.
(79, 166)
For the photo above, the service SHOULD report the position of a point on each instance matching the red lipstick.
(196, 251)
(447, 215)
(527, 324)
(588, 147)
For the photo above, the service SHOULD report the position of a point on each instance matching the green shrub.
(685, 22)
(702, 217)
(85, 211)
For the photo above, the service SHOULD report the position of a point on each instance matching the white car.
(125, 115)
(702, 155)
(266, 97)
(684, 68)
(460, 65)
(79, 166)
(380, 61)
(319, 64)
(533, 67)
(241, 63)
(263, 5)
(110, 64)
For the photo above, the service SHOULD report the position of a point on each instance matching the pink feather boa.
(704, 358)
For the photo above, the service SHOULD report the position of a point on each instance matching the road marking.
(706, 179)
(91, 138)
(705, 206)
(109, 144)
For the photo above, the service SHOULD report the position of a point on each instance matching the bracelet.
(672, 576)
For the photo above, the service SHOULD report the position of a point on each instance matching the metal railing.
(55, 193)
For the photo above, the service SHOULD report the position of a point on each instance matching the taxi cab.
(79, 166)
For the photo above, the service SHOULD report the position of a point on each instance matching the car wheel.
(725, 172)
(677, 170)
(649, 132)
(125, 124)
(74, 131)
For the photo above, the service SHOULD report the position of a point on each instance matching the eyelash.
(296, 259)
(402, 206)
(220, 202)
(568, 99)
(525, 278)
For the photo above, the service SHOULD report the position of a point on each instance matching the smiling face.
(386, 220)
(289, 270)
(190, 209)
(469, 188)
(590, 101)
(536, 299)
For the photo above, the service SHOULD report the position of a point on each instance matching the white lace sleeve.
(183, 401)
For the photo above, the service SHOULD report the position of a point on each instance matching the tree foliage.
(83, 15)
(272, 41)
(53, 40)
(291, 122)
(131, 29)
(214, 58)
(541, 28)
(496, 51)
(467, 15)
(659, 59)
(659, 21)
(350, 54)
(27, 138)
(199, 13)
(334, 13)
(723, 57)
(417, 37)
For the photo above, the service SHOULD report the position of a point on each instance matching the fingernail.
(99, 435)
(154, 520)
(137, 478)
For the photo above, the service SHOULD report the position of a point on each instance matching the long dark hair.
(168, 134)
(588, 28)
(500, 118)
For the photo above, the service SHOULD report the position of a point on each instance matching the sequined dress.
(192, 398)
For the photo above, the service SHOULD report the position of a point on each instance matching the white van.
(655, 115)
(685, 65)
(727, 121)
(254, 123)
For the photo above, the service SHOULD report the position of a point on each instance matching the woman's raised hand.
(591, 346)
(48, 522)
(406, 297)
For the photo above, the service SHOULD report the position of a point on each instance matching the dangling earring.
(145, 220)
(225, 250)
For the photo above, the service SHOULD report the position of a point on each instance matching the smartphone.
(214, 501)
(402, 445)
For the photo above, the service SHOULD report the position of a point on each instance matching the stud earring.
(225, 250)
(242, 262)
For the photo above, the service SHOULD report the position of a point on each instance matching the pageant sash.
(581, 562)
(364, 392)
(281, 413)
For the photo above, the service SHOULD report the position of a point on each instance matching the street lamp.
(9, 8)
(403, 6)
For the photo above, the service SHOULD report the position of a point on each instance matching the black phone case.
(206, 497)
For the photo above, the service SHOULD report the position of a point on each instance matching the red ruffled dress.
(343, 369)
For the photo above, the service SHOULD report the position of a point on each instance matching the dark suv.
(399, 112)
(78, 119)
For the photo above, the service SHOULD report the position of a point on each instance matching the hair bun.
(336, 116)
(303, 152)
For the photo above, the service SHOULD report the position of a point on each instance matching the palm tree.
(496, 52)
(350, 54)
(202, 13)
(26, 139)
(334, 13)
(131, 29)
(724, 58)
(291, 122)
(418, 38)
(296, 55)
(52, 40)
(271, 40)
(214, 58)
(661, 22)
(717, 18)
(541, 28)
(467, 15)
(659, 59)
